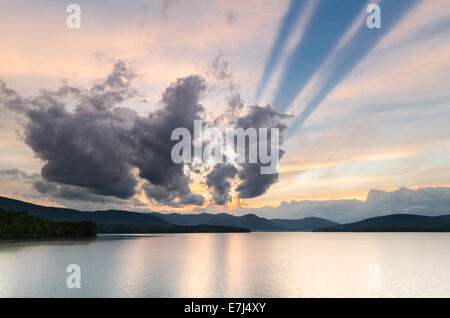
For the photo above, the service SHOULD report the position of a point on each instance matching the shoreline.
(31, 240)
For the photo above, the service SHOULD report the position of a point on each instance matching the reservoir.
(259, 264)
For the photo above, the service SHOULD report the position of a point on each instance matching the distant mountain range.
(115, 217)
(250, 221)
(389, 223)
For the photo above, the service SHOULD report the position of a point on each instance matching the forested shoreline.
(20, 225)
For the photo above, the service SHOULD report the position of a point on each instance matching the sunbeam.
(319, 40)
(353, 52)
(286, 28)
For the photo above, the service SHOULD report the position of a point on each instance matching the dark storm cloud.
(150, 139)
(217, 179)
(11, 100)
(175, 194)
(44, 187)
(52, 189)
(91, 150)
(69, 192)
(82, 148)
(91, 158)
(120, 77)
(253, 183)
(112, 91)
(92, 146)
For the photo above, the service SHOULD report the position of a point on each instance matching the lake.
(232, 265)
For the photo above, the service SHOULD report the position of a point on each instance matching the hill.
(99, 217)
(304, 225)
(184, 219)
(250, 221)
(394, 223)
(444, 217)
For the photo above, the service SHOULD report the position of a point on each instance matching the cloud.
(231, 18)
(93, 146)
(176, 194)
(10, 99)
(14, 174)
(426, 201)
(335, 210)
(44, 187)
(253, 183)
(423, 201)
(217, 179)
(70, 193)
(35, 183)
(220, 67)
(151, 144)
(84, 147)
(67, 192)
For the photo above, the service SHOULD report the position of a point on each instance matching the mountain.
(304, 225)
(250, 221)
(184, 219)
(395, 223)
(444, 217)
(388, 223)
(99, 217)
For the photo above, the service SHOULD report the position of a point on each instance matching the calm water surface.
(233, 265)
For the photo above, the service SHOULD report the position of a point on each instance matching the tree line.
(20, 225)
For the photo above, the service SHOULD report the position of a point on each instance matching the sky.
(86, 114)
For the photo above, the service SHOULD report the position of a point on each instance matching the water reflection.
(233, 265)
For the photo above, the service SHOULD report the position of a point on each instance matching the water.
(233, 265)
